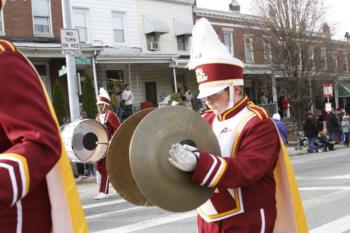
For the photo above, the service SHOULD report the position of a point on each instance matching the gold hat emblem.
(201, 76)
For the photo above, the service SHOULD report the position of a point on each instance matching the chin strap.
(231, 101)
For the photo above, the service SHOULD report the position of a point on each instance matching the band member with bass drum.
(111, 121)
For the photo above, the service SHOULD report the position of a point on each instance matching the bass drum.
(86, 140)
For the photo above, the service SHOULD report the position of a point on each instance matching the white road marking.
(323, 178)
(338, 226)
(324, 188)
(113, 212)
(89, 206)
(323, 199)
(149, 223)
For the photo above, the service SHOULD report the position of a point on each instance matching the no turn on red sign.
(70, 40)
(328, 90)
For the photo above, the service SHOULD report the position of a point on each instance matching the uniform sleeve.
(255, 158)
(31, 135)
(114, 121)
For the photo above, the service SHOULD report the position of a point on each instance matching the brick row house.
(147, 43)
(247, 40)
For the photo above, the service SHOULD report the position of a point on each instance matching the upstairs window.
(118, 26)
(41, 16)
(80, 22)
(248, 49)
(346, 62)
(267, 50)
(228, 41)
(181, 43)
(153, 41)
(312, 58)
(323, 59)
(335, 61)
(1, 23)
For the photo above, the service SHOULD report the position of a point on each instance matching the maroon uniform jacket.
(243, 176)
(36, 178)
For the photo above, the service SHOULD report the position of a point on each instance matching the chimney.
(234, 6)
(347, 36)
(326, 30)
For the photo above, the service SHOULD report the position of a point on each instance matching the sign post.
(328, 92)
(70, 44)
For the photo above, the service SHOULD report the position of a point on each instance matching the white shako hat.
(216, 69)
(103, 97)
(2, 4)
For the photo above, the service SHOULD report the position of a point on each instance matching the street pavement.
(324, 184)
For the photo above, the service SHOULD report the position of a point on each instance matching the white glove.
(183, 157)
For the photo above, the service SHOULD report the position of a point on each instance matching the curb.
(292, 152)
(85, 180)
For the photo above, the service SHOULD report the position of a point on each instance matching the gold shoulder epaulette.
(6, 46)
(259, 111)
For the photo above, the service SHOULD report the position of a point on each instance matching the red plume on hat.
(103, 97)
(216, 69)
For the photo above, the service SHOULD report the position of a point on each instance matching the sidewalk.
(293, 152)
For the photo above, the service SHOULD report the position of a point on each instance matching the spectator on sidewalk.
(128, 97)
(281, 127)
(345, 128)
(332, 125)
(324, 141)
(310, 131)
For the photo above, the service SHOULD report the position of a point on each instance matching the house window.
(335, 61)
(323, 58)
(152, 41)
(181, 43)
(312, 58)
(44, 74)
(1, 24)
(267, 50)
(228, 41)
(80, 22)
(118, 26)
(248, 49)
(41, 16)
(346, 62)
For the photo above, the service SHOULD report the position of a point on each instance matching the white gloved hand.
(183, 157)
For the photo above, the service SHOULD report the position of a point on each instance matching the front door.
(151, 92)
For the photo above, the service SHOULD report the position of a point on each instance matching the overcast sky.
(338, 12)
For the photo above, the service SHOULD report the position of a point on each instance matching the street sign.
(83, 61)
(62, 71)
(70, 40)
(328, 107)
(328, 90)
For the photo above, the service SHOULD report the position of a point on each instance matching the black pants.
(128, 110)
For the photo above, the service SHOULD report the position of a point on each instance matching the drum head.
(90, 141)
(161, 183)
(118, 165)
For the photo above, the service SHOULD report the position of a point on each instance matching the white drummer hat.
(216, 69)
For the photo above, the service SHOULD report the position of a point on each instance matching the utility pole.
(74, 108)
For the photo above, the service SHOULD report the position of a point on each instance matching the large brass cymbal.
(118, 165)
(160, 182)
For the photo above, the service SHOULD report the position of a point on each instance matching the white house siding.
(167, 12)
(100, 20)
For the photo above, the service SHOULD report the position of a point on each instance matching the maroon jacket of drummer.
(111, 122)
(29, 146)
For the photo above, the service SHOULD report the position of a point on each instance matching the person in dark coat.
(310, 131)
(332, 125)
